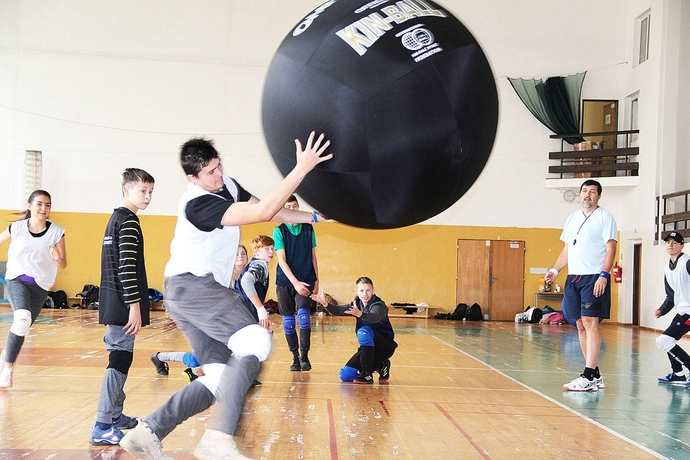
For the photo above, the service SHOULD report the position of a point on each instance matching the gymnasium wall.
(101, 86)
(413, 264)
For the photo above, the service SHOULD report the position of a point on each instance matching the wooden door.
(473, 275)
(491, 273)
(507, 279)
(601, 116)
(610, 123)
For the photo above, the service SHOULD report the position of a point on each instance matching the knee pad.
(211, 377)
(348, 374)
(251, 340)
(665, 342)
(189, 360)
(289, 324)
(21, 322)
(121, 361)
(304, 318)
(365, 336)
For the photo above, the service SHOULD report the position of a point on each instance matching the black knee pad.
(121, 361)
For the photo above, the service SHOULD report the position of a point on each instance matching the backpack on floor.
(155, 295)
(89, 294)
(474, 313)
(556, 318)
(460, 312)
(60, 299)
(534, 314)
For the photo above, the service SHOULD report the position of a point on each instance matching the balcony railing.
(597, 162)
(675, 213)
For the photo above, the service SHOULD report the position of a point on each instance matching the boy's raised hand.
(310, 156)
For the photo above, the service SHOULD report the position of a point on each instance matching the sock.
(597, 374)
(104, 426)
(588, 373)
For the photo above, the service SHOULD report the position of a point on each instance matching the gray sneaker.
(143, 444)
(216, 445)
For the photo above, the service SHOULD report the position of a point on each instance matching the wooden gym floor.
(458, 390)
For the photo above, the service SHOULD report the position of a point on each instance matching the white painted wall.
(100, 86)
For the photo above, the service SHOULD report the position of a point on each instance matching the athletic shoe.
(600, 382)
(256, 383)
(142, 443)
(188, 375)
(673, 378)
(385, 372)
(295, 365)
(581, 384)
(124, 422)
(216, 445)
(6, 376)
(304, 364)
(110, 437)
(161, 366)
(364, 379)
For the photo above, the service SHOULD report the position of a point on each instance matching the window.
(634, 119)
(642, 38)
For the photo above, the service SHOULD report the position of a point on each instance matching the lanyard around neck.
(583, 223)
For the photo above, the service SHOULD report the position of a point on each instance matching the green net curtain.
(555, 102)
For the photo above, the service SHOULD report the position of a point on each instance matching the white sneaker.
(600, 382)
(216, 445)
(581, 384)
(6, 376)
(142, 443)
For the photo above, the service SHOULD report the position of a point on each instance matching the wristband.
(606, 275)
(554, 271)
(314, 217)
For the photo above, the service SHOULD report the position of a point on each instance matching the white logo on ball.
(417, 39)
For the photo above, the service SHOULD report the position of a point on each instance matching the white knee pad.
(21, 323)
(665, 343)
(251, 340)
(211, 377)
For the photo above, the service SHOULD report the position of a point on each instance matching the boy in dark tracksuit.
(375, 334)
(123, 303)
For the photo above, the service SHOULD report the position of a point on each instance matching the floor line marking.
(333, 441)
(466, 435)
(558, 403)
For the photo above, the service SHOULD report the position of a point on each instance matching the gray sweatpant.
(207, 313)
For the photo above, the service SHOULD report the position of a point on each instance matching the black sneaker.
(385, 372)
(161, 366)
(124, 422)
(305, 365)
(673, 379)
(188, 375)
(364, 379)
(295, 365)
(256, 383)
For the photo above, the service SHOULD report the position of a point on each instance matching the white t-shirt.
(29, 255)
(586, 237)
